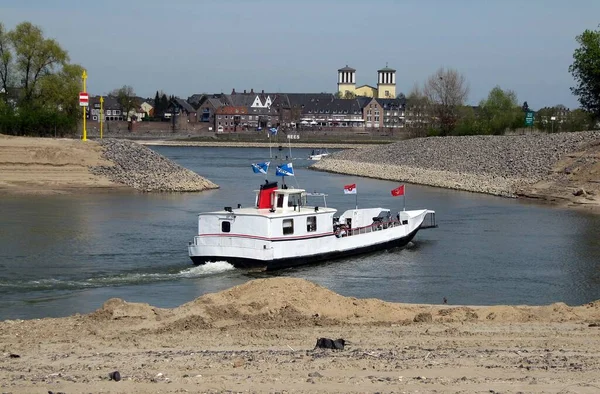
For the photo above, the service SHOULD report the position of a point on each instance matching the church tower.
(346, 80)
(386, 83)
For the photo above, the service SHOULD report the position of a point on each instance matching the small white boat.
(318, 155)
(281, 230)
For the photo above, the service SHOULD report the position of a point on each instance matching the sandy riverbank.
(49, 165)
(259, 337)
(55, 166)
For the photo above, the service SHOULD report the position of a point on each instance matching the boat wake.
(209, 268)
(123, 279)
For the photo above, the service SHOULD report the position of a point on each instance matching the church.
(386, 84)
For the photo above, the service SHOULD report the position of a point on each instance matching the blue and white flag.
(261, 168)
(285, 170)
(273, 130)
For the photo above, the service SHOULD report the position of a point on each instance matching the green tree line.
(440, 109)
(38, 85)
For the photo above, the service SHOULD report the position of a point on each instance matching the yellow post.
(101, 115)
(84, 77)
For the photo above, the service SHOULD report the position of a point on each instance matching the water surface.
(68, 254)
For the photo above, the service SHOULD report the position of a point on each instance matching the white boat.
(281, 230)
(318, 155)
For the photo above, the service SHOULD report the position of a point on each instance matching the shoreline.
(260, 336)
(51, 166)
(33, 166)
(473, 183)
(241, 144)
(559, 169)
(534, 188)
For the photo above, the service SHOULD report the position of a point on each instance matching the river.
(66, 254)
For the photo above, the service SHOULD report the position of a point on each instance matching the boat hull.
(288, 262)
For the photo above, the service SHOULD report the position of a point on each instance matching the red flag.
(350, 189)
(399, 191)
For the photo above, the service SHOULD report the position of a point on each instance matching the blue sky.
(194, 46)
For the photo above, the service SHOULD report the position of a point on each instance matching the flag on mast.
(350, 189)
(285, 170)
(261, 168)
(399, 191)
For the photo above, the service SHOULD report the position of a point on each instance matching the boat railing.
(429, 220)
(376, 226)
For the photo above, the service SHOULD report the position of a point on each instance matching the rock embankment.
(499, 165)
(139, 167)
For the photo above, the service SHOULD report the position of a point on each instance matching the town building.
(386, 84)
(182, 110)
(334, 112)
(147, 109)
(231, 119)
(111, 107)
(208, 106)
(393, 112)
(355, 107)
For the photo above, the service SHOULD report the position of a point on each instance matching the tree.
(349, 95)
(500, 111)
(586, 71)
(468, 123)
(35, 56)
(156, 104)
(446, 92)
(416, 96)
(578, 120)
(39, 86)
(417, 112)
(5, 61)
(161, 103)
(125, 96)
(164, 104)
(60, 90)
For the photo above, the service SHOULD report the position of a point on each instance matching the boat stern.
(429, 220)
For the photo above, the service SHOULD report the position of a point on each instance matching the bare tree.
(125, 96)
(417, 112)
(446, 91)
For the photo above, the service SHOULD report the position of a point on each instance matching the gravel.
(139, 167)
(498, 165)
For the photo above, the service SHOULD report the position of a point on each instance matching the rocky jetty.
(499, 165)
(139, 167)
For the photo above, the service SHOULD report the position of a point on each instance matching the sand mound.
(49, 165)
(283, 301)
(292, 303)
(59, 165)
(116, 308)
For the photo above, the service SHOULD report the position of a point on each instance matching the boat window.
(311, 224)
(293, 200)
(288, 226)
(280, 201)
(225, 226)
